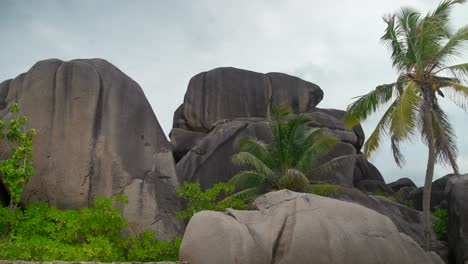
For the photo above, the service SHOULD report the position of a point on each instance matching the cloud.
(161, 44)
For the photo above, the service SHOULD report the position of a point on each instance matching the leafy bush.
(45, 233)
(409, 203)
(210, 199)
(440, 226)
(17, 169)
(324, 189)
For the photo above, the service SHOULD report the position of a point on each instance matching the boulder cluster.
(98, 136)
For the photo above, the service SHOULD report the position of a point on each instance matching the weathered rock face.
(97, 135)
(407, 220)
(183, 141)
(438, 194)
(290, 227)
(401, 183)
(209, 162)
(228, 93)
(457, 193)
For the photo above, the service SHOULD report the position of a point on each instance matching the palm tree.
(423, 48)
(287, 162)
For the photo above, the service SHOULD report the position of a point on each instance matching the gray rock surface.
(438, 194)
(97, 136)
(209, 162)
(372, 186)
(290, 227)
(400, 183)
(184, 140)
(332, 118)
(228, 93)
(457, 192)
(407, 220)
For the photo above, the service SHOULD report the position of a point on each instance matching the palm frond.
(445, 139)
(453, 45)
(396, 151)
(255, 147)
(392, 39)
(294, 180)
(245, 195)
(460, 71)
(457, 93)
(373, 142)
(319, 148)
(367, 104)
(407, 25)
(328, 167)
(404, 116)
(246, 179)
(246, 158)
(313, 135)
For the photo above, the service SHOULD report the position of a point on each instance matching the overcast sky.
(161, 44)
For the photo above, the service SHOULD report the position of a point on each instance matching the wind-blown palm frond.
(322, 146)
(460, 71)
(373, 142)
(246, 179)
(255, 147)
(404, 115)
(451, 48)
(445, 139)
(246, 158)
(246, 195)
(294, 180)
(328, 167)
(457, 93)
(368, 104)
(392, 39)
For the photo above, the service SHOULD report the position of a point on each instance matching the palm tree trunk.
(428, 181)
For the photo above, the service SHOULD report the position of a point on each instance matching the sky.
(161, 44)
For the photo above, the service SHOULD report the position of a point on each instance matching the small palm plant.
(286, 163)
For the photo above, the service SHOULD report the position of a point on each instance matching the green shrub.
(409, 203)
(324, 189)
(17, 169)
(440, 226)
(210, 199)
(45, 233)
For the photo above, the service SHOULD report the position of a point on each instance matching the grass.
(324, 189)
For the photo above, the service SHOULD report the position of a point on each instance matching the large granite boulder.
(290, 227)
(438, 194)
(209, 162)
(407, 220)
(457, 193)
(401, 183)
(228, 93)
(97, 136)
(218, 101)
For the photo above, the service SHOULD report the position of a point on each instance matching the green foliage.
(440, 226)
(17, 169)
(286, 163)
(324, 189)
(45, 233)
(147, 249)
(409, 203)
(384, 194)
(210, 199)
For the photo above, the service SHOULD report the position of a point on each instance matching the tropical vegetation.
(423, 48)
(290, 161)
